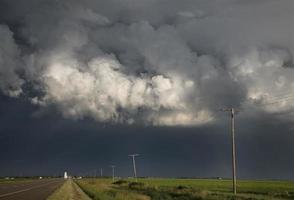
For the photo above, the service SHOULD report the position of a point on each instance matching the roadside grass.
(102, 189)
(186, 189)
(68, 191)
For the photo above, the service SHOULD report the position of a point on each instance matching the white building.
(65, 175)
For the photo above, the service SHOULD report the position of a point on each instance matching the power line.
(277, 100)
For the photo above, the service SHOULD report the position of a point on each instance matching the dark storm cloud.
(39, 146)
(160, 62)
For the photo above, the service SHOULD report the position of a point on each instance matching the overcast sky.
(85, 83)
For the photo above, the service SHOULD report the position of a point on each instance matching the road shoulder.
(69, 191)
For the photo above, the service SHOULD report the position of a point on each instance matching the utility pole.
(134, 165)
(232, 113)
(101, 172)
(113, 167)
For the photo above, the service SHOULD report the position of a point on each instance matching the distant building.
(65, 175)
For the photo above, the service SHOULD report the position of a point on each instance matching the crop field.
(184, 189)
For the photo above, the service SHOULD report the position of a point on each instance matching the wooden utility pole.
(113, 175)
(232, 113)
(134, 165)
(233, 151)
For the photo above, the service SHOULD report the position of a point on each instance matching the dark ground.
(29, 190)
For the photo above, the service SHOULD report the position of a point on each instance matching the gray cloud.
(10, 66)
(159, 62)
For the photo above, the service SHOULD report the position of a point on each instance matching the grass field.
(185, 189)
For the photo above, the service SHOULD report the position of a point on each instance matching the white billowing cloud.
(183, 118)
(267, 76)
(100, 87)
(10, 82)
(102, 91)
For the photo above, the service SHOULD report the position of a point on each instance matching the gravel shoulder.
(69, 191)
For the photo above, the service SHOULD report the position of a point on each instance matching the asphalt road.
(31, 190)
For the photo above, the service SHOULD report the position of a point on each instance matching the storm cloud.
(85, 83)
(151, 61)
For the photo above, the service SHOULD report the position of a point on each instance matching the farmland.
(184, 189)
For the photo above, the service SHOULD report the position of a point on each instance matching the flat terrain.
(144, 189)
(29, 189)
(185, 189)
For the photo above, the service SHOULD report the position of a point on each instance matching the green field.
(185, 189)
